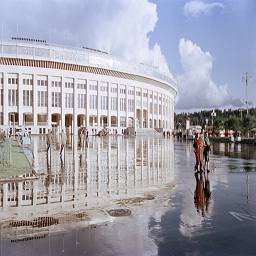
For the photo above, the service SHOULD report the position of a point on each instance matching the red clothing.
(197, 145)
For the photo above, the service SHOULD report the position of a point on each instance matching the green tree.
(218, 123)
(233, 123)
(248, 123)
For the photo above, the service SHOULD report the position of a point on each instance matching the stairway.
(146, 131)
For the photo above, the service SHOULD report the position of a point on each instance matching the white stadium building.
(44, 86)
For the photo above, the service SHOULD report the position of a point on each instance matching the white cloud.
(196, 8)
(196, 86)
(121, 27)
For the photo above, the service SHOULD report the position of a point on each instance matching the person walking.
(63, 141)
(207, 149)
(197, 149)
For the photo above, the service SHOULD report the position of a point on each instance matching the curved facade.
(44, 86)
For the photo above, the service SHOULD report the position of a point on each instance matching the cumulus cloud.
(196, 8)
(196, 86)
(121, 27)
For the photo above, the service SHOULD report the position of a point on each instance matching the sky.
(205, 46)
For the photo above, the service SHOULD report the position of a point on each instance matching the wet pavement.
(212, 214)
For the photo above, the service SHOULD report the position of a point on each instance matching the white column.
(87, 104)
(134, 98)
(5, 99)
(126, 100)
(157, 122)
(98, 107)
(153, 109)
(168, 113)
(5, 195)
(109, 117)
(118, 106)
(35, 100)
(162, 111)
(62, 103)
(35, 189)
(148, 110)
(20, 99)
(141, 108)
(49, 103)
(19, 194)
(75, 130)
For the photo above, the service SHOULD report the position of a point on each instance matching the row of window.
(42, 100)
(93, 87)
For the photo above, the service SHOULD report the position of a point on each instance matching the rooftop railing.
(82, 56)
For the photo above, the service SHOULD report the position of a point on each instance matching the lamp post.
(206, 123)
(246, 79)
(213, 114)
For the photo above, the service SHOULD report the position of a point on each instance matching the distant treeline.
(228, 119)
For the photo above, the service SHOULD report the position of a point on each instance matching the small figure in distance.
(207, 149)
(197, 148)
(63, 141)
(49, 139)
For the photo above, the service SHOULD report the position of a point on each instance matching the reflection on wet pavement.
(207, 214)
(70, 185)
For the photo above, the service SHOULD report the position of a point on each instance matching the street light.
(213, 114)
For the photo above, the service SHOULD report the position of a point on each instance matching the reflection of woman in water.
(202, 193)
(199, 199)
(207, 191)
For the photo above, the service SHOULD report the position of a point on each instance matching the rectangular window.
(56, 99)
(42, 99)
(138, 93)
(12, 80)
(122, 91)
(42, 82)
(138, 103)
(1, 97)
(69, 85)
(93, 87)
(113, 89)
(27, 98)
(113, 103)
(93, 102)
(56, 84)
(12, 97)
(122, 121)
(155, 109)
(27, 81)
(69, 100)
(81, 85)
(1, 119)
(81, 100)
(131, 92)
(130, 105)
(151, 108)
(122, 104)
(104, 102)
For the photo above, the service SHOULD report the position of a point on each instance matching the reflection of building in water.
(110, 168)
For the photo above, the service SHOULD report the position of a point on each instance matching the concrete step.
(146, 131)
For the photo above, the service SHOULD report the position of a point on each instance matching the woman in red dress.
(197, 147)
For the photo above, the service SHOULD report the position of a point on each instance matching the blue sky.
(205, 45)
(228, 33)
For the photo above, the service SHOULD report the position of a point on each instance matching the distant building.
(44, 86)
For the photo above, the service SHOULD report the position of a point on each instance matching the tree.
(233, 123)
(218, 123)
(248, 123)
